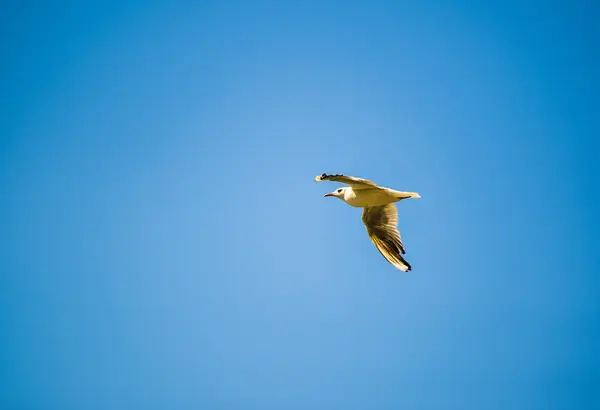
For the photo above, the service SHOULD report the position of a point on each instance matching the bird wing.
(355, 183)
(381, 224)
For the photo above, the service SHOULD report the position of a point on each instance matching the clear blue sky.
(164, 244)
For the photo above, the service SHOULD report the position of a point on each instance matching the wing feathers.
(355, 183)
(381, 224)
(390, 252)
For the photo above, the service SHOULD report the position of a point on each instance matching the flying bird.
(380, 215)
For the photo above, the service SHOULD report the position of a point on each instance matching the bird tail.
(405, 195)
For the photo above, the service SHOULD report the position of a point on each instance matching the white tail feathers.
(405, 195)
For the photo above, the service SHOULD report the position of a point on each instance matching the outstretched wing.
(355, 183)
(381, 224)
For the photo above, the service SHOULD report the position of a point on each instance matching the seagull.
(380, 215)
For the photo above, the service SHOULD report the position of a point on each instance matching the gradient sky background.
(164, 244)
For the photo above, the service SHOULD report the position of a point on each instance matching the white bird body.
(365, 198)
(380, 215)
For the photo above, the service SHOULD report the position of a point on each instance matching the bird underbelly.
(367, 198)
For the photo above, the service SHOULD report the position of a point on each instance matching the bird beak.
(329, 194)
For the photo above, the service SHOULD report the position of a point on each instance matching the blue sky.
(164, 245)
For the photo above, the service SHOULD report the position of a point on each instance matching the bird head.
(338, 193)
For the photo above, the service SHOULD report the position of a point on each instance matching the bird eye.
(339, 191)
